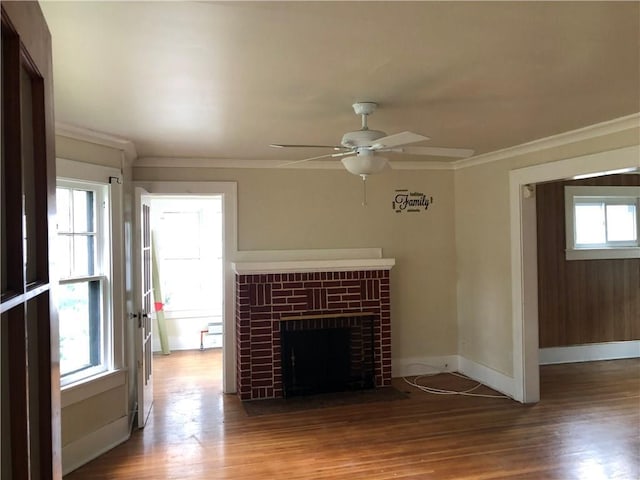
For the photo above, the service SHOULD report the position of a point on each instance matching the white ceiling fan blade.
(340, 154)
(397, 139)
(309, 159)
(283, 145)
(438, 151)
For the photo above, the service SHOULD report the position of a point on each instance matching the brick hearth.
(263, 301)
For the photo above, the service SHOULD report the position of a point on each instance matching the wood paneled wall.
(582, 301)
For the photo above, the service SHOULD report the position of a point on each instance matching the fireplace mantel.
(301, 266)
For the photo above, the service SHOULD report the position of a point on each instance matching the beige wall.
(87, 152)
(321, 209)
(483, 248)
(82, 418)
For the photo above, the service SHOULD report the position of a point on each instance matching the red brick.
(261, 383)
(282, 293)
(282, 308)
(350, 297)
(336, 291)
(262, 361)
(257, 334)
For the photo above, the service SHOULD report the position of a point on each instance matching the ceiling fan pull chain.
(364, 190)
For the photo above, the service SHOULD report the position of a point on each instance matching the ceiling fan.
(361, 149)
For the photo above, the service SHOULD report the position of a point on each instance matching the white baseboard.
(188, 343)
(487, 376)
(407, 367)
(85, 449)
(590, 352)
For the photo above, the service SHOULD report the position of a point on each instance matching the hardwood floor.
(586, 427)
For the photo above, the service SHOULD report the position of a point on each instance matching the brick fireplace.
(323, 294)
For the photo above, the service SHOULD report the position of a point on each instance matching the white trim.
(592, 131)
(608, 195)
(602, 253)
(248, 268)
(407, 367)
(487, 376)
(74, 170)
(228, 190)
(328, 164)
(524, 317)
(169, 162)
(313, 254)
(590, 352)
(92, 386)
(587, 133)
(188, 342)
(98, 138)
(85, 449)
(110, 229)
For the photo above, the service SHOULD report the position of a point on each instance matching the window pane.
(83, 211)
(621, 223)
(63, 207)
(80, 326)
(29, 173)
(180, 234)
(590, 224)
(83, 255)
(63, 255)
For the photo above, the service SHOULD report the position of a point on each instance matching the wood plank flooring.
(586, 427)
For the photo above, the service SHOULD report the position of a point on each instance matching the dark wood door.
(30, 400)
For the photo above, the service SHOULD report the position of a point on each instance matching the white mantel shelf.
(300, 266)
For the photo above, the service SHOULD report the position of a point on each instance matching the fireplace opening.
(319, 358)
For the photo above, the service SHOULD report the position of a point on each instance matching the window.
(83, 262)
(602, 222)
(190, 255)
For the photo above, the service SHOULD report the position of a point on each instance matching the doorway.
(227, 191)
(524, 254)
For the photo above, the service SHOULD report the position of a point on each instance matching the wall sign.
(407, 201)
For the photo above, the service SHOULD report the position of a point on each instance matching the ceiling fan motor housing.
(361, 138)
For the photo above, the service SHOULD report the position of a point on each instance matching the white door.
(143, 297)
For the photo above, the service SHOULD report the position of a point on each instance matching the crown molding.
(585, 133)
(98, 138)
(191, 162)
(177, 162)
(565, 138)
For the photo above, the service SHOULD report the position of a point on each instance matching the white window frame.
(610, 195)
(115, 374)
(102, 274)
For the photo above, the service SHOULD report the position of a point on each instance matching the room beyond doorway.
(188, 242)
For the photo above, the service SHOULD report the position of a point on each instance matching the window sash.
(578, 245)
(87, 235)
(603, 203)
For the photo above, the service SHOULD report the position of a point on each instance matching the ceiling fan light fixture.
(364, 164)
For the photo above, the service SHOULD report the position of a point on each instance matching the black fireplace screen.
(322, 355)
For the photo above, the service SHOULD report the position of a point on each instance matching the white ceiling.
(226, 79)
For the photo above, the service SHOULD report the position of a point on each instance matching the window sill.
(603, 253)
(92, 386)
